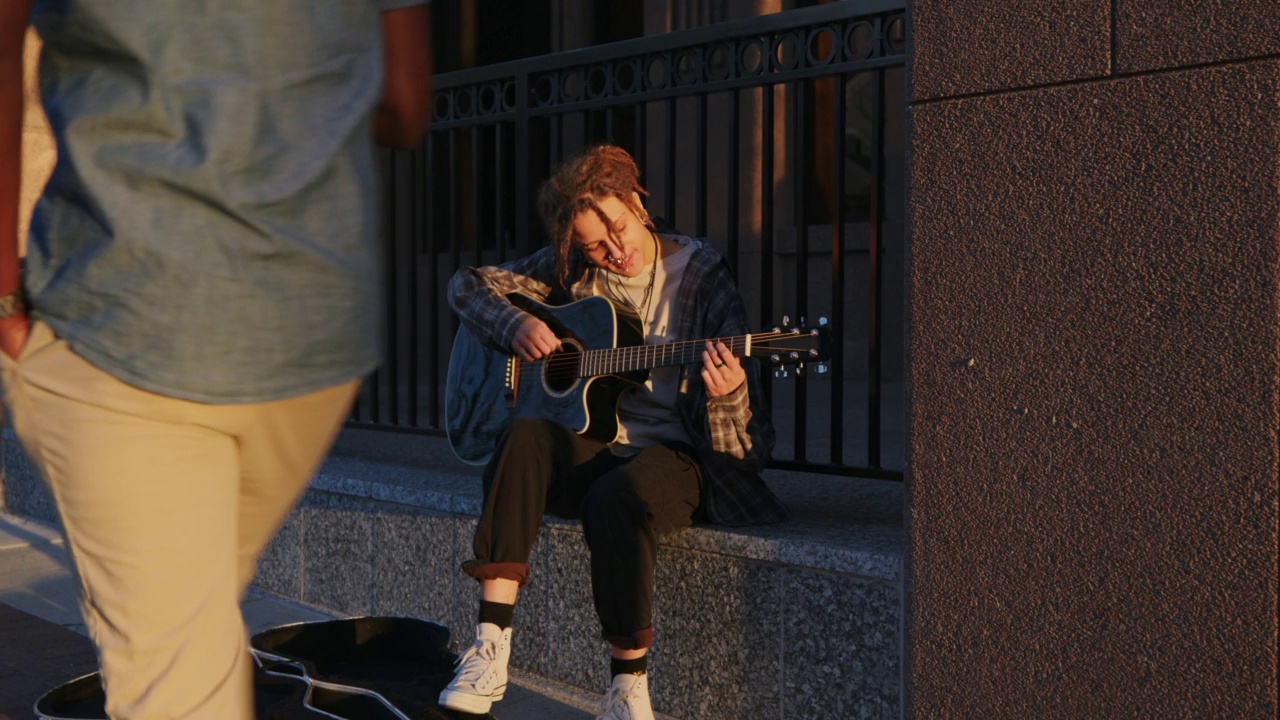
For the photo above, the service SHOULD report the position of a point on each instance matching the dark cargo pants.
(625, 504)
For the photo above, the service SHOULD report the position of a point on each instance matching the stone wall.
(1092, 429)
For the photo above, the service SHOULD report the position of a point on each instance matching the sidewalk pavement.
(43, 643)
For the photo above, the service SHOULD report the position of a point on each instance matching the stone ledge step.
(796, 620)
(846, 525)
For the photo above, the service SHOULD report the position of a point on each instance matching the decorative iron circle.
(626, 77)
(786, 50)
(464, 101)
(719, 62)
(751, 57)
(488, 99)
(860, 40)
(599, 81)
(895, 36)
(821, 46)
(688, 67)
(508, 95)
(572, 85)
(655, 72)
(442, 107)
(542, 91)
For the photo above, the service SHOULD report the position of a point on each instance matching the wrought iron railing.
(778, 138)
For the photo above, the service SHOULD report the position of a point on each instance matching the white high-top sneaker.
(481, 676)
(627, 699)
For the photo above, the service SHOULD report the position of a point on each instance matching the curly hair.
(601, 171)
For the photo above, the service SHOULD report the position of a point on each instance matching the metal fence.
(777, 138)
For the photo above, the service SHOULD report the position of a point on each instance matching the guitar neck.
(610, 361)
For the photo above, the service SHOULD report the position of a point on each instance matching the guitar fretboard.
(643, 357)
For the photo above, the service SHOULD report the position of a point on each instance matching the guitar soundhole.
(560, 371)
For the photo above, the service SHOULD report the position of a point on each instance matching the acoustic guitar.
(602, 355)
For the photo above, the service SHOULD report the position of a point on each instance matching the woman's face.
(622, 246)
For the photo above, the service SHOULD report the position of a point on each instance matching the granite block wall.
(963, 48)
(22, 490)
(1092, 430)
(1164, 34)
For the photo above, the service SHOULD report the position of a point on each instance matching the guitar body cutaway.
(486, 388)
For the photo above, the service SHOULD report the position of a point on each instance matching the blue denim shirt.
(210, 231)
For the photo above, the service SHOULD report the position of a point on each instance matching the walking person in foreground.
(690, 444)
(200, 299)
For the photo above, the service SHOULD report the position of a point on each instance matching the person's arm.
(405, 109)
(737, 421)
(14, 15)
(478, 295)
(729, 412)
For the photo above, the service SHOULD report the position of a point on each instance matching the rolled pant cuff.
(638, 640)
(481, 570)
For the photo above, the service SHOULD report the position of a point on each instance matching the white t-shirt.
(647, 415)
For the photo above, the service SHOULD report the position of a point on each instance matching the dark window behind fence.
(778, 138)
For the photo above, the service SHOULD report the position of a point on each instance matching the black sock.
(497, 613)
(635, 667)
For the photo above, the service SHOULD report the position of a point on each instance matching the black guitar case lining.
(404, 660)
(368, 668)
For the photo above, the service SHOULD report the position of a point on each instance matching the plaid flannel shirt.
(731, 435)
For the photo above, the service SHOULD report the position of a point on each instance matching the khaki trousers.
(166, 505)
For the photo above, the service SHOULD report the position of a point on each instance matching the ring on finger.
(720, 364)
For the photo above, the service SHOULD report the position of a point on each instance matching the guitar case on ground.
(275, 698)
(369, 668)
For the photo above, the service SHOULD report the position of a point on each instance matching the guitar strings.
(685, 346)
(679, 348)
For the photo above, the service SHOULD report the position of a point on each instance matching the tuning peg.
(821, 368)
(800, 370)
(786, 321)
(781, 372)
(822, 321)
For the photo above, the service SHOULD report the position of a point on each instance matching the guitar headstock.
(788, 345)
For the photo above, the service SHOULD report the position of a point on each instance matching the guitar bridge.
(511, 382)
